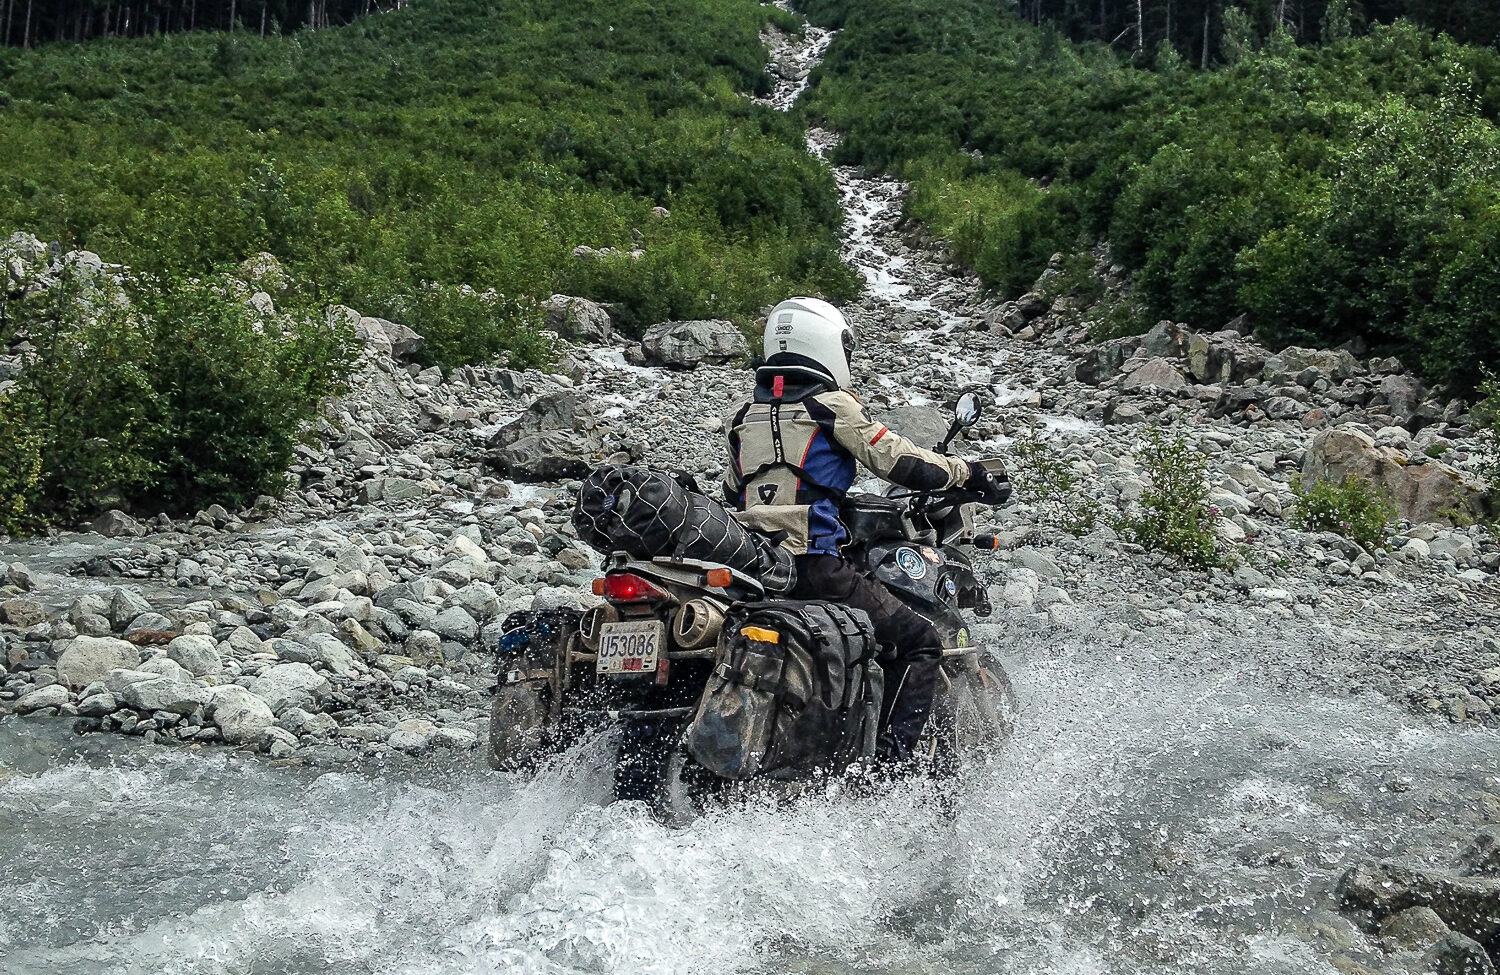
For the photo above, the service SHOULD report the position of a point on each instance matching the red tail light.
(626, 587)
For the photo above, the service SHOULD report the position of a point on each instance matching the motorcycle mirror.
(967, 412)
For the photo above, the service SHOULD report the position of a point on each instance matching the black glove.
(991, 485)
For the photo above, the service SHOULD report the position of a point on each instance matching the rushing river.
(1138, 823)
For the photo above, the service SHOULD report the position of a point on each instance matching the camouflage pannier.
(796, 690)
(649, 514)
(521, 709)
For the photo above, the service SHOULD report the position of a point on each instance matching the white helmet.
(809, 335)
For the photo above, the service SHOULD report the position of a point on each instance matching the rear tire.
(685, 791)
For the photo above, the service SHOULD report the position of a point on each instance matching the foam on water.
(1141, 821)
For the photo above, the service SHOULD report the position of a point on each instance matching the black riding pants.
(915, 648)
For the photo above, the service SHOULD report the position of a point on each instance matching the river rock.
(687, 345)
(124, 606)
(1430, 492)
(147, 691)
(87, 659)
(578, 319)
(412, 735)
(1456, 954)
(291, 685)
(239, 714)
(51, 696)
(552, 456)
(198, 655)
(1468, 905)
(923, 425)
(117, 524)
(1416, 928)
(455, 624)
(22, 613)
(1157, 374)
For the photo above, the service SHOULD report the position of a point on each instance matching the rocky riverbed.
(1203, 755)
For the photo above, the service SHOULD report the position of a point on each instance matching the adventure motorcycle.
(639, 662)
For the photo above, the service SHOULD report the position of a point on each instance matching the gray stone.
(291, 685)
(1105, 360)
(412, 735)
(553, 456)
(578, 319)
(923, 425)
(51, 696)
(1416, 928)
(305, 723)
(88, 659)
(239, 714)
(1456, 954)
(117, 524)
(687, 345)
(154, 622)
(124, 606)
(1167, 339)
(198, 655)
(147, 691)
(1157, 374)
(98, 705)
(456, 624)
(1044, 567)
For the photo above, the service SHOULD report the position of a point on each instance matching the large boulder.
(1431, 492)
(1167, 339)
(562, 409)
(197, 654)
(117, 524)
(578, 319)
(1468, 905)
(239, 714)
(1336, 364)
(555, 438)
(88, 659)
(687, 345)
(147, 691)
(293, 685)
(1157, 374)
(1105, 360)
(923, 425)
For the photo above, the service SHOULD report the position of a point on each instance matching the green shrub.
(1044, 479)
(1175, 515)
(20, 471)
(461, 325)
(163, 394)
(1355, 509)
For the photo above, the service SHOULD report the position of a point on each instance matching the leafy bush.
(1355, 509)
(1044, 480)
(20, 471)
(461, 325)
(455, 142)
(159, 394)
(1175, 515)
(1324, 192)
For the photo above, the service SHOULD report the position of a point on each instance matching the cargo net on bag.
(649, 514)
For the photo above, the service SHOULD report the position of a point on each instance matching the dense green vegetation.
(436, 165)
(1331, 191)
(455, 141)
(167, 393)
(27, 23)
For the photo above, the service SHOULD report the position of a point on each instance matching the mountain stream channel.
(1162, 808)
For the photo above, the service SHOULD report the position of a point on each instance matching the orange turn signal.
(986, 541)
(719, 578)
(598, 587)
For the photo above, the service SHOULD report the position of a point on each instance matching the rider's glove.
(991, 485)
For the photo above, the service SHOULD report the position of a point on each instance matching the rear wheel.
(685, 790)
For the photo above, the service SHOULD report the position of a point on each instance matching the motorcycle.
(638, 662)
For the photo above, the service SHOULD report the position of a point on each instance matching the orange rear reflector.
(598, 587)
(719, 578)
(760, 635)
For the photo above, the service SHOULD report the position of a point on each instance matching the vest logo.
(910, 561)
(767, 493)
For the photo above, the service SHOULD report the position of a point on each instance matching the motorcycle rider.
(793, 450)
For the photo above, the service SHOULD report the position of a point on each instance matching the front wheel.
(975, 712)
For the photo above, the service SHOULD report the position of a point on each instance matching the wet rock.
(148, 691)
(1105, 360)
(198, 655)
(1468, 905)
(88, 659)
(1416, 928)
(1167, 340)
(924, 425)
(239, 714)
(51, 696)
(124, 606)
(1458, 955)
(687, 345)
(412, 735)
(291, 685)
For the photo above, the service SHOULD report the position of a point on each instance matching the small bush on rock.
(1043, 479)
(1175, 515)
(1355, 509)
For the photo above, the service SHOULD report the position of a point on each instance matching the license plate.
(629, 648)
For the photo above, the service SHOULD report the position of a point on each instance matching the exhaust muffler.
(697, 624)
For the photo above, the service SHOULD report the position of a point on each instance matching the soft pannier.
(795, 691)
(649, 514)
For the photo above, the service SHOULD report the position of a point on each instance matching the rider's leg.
(911, 671)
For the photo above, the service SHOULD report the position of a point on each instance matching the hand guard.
(992, 485)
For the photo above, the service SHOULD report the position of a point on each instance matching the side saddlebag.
(796, 691)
